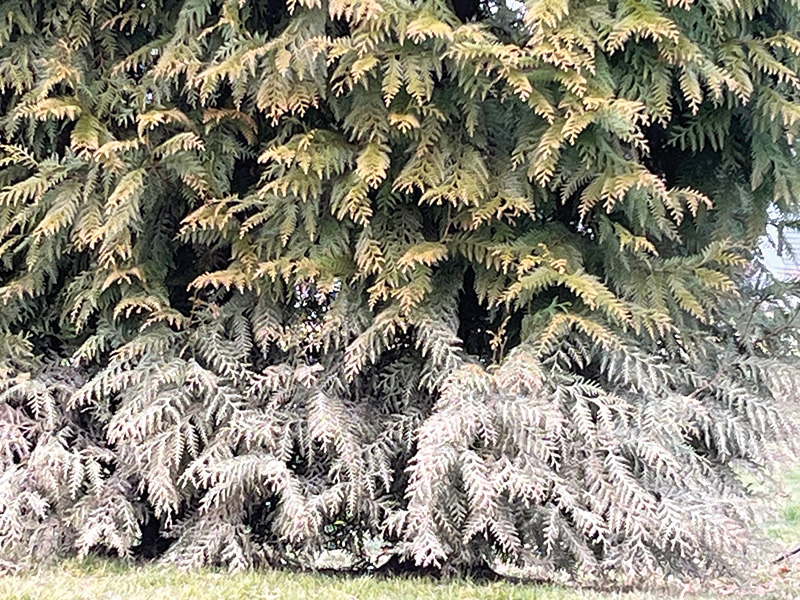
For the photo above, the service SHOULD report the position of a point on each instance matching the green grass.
(97, 580)
(116, 580)
(787, 529)
(107, 581)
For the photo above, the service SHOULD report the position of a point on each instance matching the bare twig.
(787, 555)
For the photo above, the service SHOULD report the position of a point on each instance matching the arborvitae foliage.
(457, 284)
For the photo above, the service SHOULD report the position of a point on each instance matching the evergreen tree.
(462, 284)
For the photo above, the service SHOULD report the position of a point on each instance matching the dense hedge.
(469, 285)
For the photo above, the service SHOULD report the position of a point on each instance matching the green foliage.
(283, 278)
